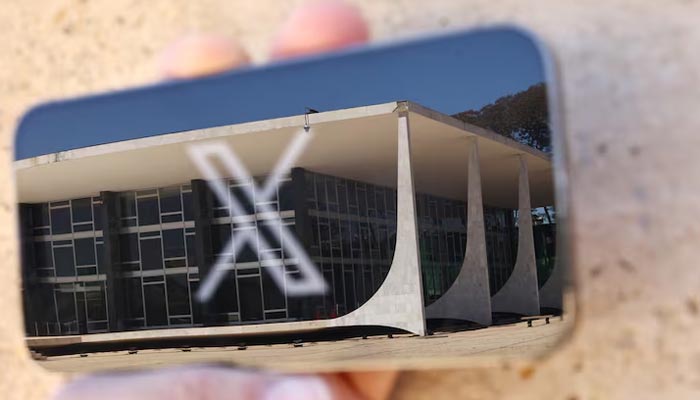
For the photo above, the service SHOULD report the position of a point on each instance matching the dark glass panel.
(86, 271)
(258, 193)
(40, 214)
(220, 236)
(276, 315)
(240, 194)
(225, 299)
(97, 215)
(270, 231)
(286, 196)
(273, 297)
(187, 206)
(156, 311)
(42, 255)
(63, 257)
(66, 311)
(129, 247)
(134, 303)
(175, 263)
(96, 305)
(85, 251)
(246, 254)
(45, 310)
(101, 262)
(173, 243)
(191, 251)
(171, 218)
(151, 254)
(196, 307)
(178, 294)
(149, 213)
(83, 228)
(351, 302)
(170, 199)
(251, 299)
(60, 221)
(82, 209)
(127, 204)
(339, 288)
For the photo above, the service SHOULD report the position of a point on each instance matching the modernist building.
(430, 220)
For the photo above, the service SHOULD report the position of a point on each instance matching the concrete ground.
(505, 341)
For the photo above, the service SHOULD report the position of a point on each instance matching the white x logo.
(310, 282)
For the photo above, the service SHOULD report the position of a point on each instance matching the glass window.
(251, 299)
(246, 254)
(196, 307)
(82, 209)
(178, 294)
(156, 311)
(225, 299)
(149, 213)
(97, 215)
(127, 204)
(40, 214)
(286, 195)
(220, 236)
(85, 251)
(191, 251)
(240, 194)
(96, 304)
(101, 264)
(171, 218)
(66, 311)
(129, 247)
(187, 205)
(173, 243)
(42, 255)
(151, 254)
(273, 297)
(134, 297)
(170, 199)
(60, 221)
(63, 256)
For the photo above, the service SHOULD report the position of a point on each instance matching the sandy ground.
(505, 341)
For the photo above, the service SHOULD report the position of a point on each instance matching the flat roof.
(356, 143)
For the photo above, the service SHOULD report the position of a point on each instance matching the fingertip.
(199, 54)
(319, 26)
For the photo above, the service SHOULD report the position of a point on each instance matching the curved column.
(468, 298)
(398, 302)
(520, 293)
(552, 292)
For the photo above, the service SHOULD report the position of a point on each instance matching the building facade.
(133, 260)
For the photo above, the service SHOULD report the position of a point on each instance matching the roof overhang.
(357, 143)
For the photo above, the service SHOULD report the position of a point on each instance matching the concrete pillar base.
(468, 298)
(398, 303)
(520, 293)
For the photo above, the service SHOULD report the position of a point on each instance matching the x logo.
(310, 282)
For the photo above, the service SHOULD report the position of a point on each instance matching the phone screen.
(331, 210)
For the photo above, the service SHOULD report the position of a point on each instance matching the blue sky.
(450, 74)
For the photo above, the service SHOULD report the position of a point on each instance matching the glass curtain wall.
(347, 226)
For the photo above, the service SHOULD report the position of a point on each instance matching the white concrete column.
(552, 292)
(520, 294)
(468, 298)
(398, 302)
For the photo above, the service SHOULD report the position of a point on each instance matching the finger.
(197, 55)
(320, 26)
(204, 382)
(372, 385)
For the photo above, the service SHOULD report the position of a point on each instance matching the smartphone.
(320, 213)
